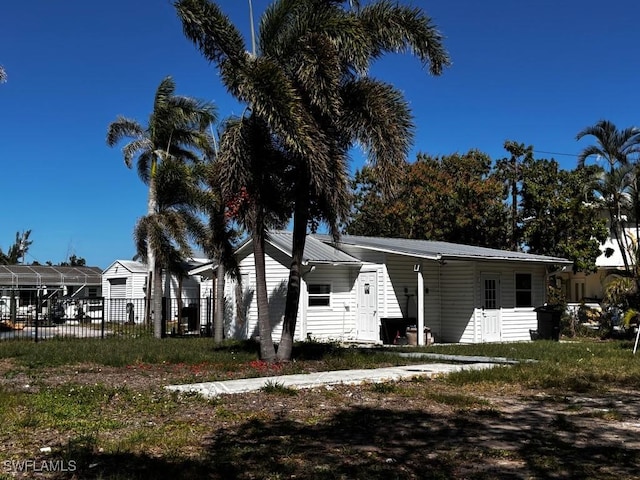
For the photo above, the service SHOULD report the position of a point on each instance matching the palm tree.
(615, 146)
(251, 176)
(274, 112)
(326, 50)
(170, 229)
(615, 190)
(309, 85)
(218, 237)
(19, 249)
(619, 148)
(176, 129)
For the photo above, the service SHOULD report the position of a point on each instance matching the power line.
(557, 153)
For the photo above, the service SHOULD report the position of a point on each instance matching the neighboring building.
(363, 288)
(124, 287)
(26, 286)
(588, 288)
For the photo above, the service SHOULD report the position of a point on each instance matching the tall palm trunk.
(178, 299)
(218, 319)
(267, 350)
(156, 301)
(300, 220)
(155, 271)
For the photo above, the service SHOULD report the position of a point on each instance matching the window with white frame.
(524, 290)
(319, 294)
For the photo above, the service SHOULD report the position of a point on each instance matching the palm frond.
(146, 159)
(122, 128)
(379, 118)
(397, 28)
(204, 23)
(615, 146)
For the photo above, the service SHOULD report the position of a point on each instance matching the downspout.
(303, 283)
(439, 300)
(418, 269)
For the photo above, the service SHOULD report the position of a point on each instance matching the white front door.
(491, 322)
(368, 325)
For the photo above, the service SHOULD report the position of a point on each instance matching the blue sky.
(536, 72)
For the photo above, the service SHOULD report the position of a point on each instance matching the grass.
(102, 403)
(120, 352)
(278, 388)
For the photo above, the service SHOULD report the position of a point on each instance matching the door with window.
(491, 321)
(368, 325)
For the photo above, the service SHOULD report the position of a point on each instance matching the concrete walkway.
(318, 379)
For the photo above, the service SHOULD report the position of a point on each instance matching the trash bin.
(393, 331)
(549, 322)
(412, 335)
(190, 313)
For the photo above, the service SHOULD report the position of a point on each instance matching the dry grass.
(118, 422)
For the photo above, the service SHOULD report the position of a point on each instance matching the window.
(490, 293)
(523, 290)
(319, 295)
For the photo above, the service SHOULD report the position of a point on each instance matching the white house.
(360, 288)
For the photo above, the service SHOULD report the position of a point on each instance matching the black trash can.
(549, 322)
(191, 314)
(393, 329)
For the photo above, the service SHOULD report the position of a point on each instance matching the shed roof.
(434, 250)
(132, 266)
(44, 275)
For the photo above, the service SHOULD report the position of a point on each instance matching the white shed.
(124, 288)
(124, 283)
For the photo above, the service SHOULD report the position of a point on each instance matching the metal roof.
(315, 251)
(132, 266)
(434, 250)
(44, 275)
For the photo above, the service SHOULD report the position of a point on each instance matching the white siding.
(337, 321)
(461, 301)
(277, 276)
(432, 298)
(457, 281)
(517, 322)
(136, 286)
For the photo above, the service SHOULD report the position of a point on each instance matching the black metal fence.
(97, 317)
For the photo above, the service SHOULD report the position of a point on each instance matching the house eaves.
(206, 270)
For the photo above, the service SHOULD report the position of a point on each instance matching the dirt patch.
(408, 430)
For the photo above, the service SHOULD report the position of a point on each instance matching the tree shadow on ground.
(526, 440)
